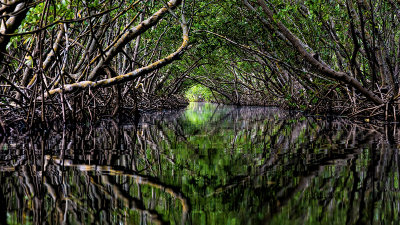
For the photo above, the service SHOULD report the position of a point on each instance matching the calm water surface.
(206, 164)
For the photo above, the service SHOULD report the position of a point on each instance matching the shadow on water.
(206, 164)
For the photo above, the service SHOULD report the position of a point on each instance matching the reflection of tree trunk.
(130, 202)
(353, 191)
(3, 204)
(285, 163)
(368, 183)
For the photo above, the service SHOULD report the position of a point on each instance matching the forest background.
(71, 60)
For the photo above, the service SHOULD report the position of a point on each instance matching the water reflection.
(207, 164)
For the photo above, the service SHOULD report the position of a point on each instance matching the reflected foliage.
(207, 164)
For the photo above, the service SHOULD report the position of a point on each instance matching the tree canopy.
(66, 58)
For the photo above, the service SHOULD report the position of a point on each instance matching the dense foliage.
(81, 59)
(199, 93)
(72, 59)
(339, 57)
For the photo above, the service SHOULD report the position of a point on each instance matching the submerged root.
(84, 107)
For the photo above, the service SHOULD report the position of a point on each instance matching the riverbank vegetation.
(78, 60)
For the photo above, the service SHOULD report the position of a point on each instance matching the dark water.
(204, 165)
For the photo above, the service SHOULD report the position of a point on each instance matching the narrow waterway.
(206, 164)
